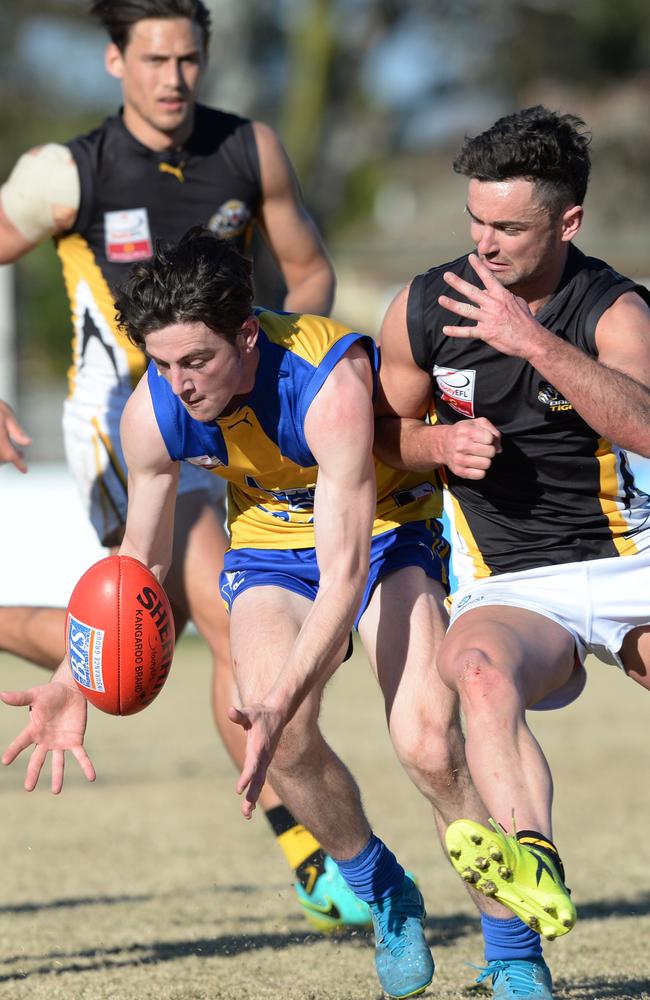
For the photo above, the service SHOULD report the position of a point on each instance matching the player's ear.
(571, 222)
(248, 333)
(114, 61)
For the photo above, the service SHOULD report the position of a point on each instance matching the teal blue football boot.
(402, 956)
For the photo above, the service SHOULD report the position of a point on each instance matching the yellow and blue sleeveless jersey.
(261, 447)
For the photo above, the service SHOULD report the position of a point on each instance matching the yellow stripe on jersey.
(469, 545)
(309, 337)
(266, 488)
(612, 508)
(270, 497)
(109, 507)
(83, 277)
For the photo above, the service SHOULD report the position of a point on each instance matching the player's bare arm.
(290, 232)
(402, 438)
(153, 479)
(610, 393)
(339, 430)
(12, 438)
(39, 199)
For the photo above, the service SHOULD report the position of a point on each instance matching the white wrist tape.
(41, 196)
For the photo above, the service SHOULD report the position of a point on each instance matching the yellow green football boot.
(516, 874)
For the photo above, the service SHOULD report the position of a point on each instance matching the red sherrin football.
(119, 635)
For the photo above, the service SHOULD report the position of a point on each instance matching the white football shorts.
(96, 461)
(598, 601)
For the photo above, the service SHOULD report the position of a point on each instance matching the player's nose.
(484, 239)
(179, 381)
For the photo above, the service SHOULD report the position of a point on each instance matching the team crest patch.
(127, 235)
(84, 645)
(230, 220)
(457, 388)
(550, 397)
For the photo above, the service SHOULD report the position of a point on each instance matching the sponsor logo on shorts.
(231, 582)
(84, 645)
(550, 397)
(467, 600)
(231, 219)
(127, 235)
(456, 387)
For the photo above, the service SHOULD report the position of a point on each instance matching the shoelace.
(520, 977)
(391, 920)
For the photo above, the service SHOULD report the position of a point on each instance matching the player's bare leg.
(311, 779)
(320, 790)
(193, 584)
(422, 712)
(501, 660)
(635, 655)
(35, 634)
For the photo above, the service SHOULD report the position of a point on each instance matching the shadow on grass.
(158, 952)
(599, 988)
(601, 909)
(440, 931)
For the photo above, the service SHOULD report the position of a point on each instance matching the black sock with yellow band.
(299, 846)
(541, 843)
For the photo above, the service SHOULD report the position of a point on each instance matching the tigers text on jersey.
(261, 448)
(131, 197)
(558, 492)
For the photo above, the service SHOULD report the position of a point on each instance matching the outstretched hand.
(56, 723)
(503, 320)
(263, 728)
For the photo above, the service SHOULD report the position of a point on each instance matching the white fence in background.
(46, 541)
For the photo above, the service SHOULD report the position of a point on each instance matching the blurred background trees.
(372, 98)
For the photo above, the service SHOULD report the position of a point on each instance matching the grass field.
(149, 884)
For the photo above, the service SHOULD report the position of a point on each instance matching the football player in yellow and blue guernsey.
(164, 163)
(323, 537)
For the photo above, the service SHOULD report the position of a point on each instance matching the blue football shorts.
(419, 543)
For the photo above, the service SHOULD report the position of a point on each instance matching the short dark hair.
(535, 144)
(119, 16)
(201, 279)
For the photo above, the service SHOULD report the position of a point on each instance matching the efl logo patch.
(84, 645)
(457, 388)
(127, 235)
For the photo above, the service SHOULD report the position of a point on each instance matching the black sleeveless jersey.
(131, 197)
(558, 492)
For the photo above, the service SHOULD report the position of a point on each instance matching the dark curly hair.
(201, 279)
(537, 145)
(119, 16)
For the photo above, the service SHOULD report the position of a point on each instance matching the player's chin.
(202, 410)
(168, 119)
